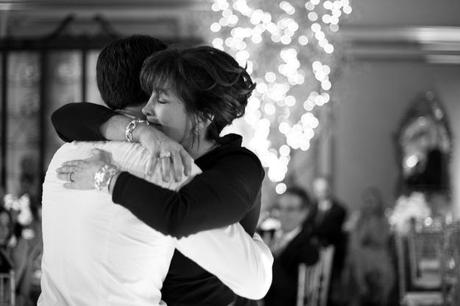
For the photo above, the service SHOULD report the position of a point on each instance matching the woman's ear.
(204, 121)
(198, 125)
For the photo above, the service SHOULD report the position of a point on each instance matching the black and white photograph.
(229, 153)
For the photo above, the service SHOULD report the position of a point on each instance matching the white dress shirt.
(97, 253)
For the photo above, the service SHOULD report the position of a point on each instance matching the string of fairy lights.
(288, 49)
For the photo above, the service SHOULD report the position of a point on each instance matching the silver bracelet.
(132, 125)
(103, 176)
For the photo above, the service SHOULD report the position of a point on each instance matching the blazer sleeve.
(80, 121)
(218, 197)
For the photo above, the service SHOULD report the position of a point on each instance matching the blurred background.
(357, 104)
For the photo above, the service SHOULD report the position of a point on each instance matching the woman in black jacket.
(195, 93)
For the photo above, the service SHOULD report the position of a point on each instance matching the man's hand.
(170, 154)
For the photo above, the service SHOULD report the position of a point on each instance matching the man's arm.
(242, 263)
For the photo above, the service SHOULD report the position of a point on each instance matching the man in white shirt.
(98, 253)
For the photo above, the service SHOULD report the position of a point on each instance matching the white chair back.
(313, 281)
(7, 289)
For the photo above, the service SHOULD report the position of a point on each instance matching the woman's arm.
(221, 195)
(93, 122)
(217, 197)
(81, 121)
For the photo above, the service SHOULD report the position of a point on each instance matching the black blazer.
(301, 249)
(328, 230)
(328, 227)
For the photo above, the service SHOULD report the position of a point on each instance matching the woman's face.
(167, 112)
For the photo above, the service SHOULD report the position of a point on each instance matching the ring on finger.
(165, 155)
(70, 177)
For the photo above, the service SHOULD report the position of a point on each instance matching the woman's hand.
(79, 174)
(172, 156)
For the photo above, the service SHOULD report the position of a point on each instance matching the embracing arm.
(217, 197)
(81, 121)
(93, 122)
(242, 263)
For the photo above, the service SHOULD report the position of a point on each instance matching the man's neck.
(324, 204)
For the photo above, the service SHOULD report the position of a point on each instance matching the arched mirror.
(424, 143)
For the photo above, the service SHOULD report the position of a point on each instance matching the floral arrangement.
(409, 207)
(19, 208)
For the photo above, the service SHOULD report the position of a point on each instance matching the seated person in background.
(31, 281)
(291, 246)
(14, 256)
(370, 272)
(6, 231)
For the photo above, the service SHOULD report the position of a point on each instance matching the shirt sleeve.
(246, 270)
(80, 121)
(218, 197)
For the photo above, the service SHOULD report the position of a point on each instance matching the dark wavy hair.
(118, 68)
(209, 81)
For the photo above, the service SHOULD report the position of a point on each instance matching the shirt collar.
(291, 234)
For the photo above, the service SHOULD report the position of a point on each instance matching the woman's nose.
(148, 110)
(145, 110)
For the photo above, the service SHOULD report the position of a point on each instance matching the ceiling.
(86, 4)
(365, 12)
(376, 29)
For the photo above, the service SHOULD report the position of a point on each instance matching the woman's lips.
(154, 122)
(156, 125)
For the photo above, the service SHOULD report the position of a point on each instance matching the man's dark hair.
(118, 68)
(302, 194)
(209, 81)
